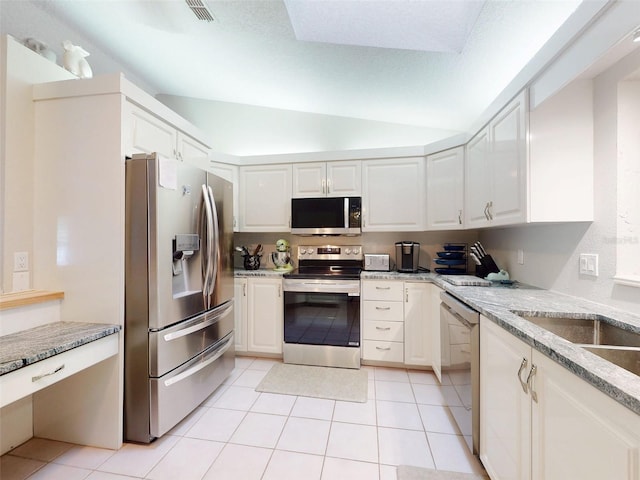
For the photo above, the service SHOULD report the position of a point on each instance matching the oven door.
(322, 312)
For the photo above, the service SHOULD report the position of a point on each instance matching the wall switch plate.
(20, 281)
(520, 256)
(20, 261)
(589, 264)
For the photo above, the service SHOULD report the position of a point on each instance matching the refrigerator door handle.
(214, 255)
(206, 232)
(198, 326)
(187, 373)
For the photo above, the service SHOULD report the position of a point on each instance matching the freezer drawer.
(179, 392)
(175, 345)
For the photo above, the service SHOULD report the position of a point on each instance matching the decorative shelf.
(28, 297)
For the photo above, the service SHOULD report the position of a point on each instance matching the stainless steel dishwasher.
(460, 360)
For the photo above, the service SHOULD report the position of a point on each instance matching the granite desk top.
(24, 348)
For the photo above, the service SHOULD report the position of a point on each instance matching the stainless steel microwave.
(326, 216)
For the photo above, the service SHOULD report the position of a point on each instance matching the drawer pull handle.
(383, 288)
(52, 372)
(383, 308)
(383, 328)
(523, 365)
(383, 348)
(532, 373)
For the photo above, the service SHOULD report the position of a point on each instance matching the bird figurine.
(74, 60)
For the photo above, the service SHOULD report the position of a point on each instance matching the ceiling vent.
(200, 10)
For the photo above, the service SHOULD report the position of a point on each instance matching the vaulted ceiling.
(430, 63)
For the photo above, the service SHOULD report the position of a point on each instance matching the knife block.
(488, 266)
(481, 271)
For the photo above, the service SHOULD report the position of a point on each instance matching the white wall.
(242, 130)
(23, 69)
(551, 252)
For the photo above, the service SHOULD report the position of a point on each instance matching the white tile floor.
(239, 433)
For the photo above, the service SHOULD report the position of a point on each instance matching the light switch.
(589, 264)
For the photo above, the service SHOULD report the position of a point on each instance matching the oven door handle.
(352, 289)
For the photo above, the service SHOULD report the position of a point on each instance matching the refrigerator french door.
(178, 292)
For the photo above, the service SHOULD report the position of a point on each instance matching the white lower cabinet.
(540, 421)
(265, 315)
(382, 321)
(240, 314)
(419, 316)
(397, 321)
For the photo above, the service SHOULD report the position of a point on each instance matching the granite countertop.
(261, 272)
(24, 348)
(498, 302)
(499, 305)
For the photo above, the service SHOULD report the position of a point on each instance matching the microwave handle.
(347, 213)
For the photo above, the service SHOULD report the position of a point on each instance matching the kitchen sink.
(625, 357)
(585, 331)
(614, 344)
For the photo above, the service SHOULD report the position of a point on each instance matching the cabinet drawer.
(383, 351)
(385, 331)
(459, 334)
(383, 290)
(387, 311)
(30, 379)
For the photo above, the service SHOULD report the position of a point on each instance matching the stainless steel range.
(322, 307)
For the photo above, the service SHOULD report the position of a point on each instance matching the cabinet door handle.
(523, 365)
(532, 373)
(406, 293)
(383, 348)
(383, 308)
(460, 217)
(383, 288)
(244, 289)
(328, 186)
(279, 291)
(384, 329)
(52, 372)
(489, 207)
(324, 186)
(486, 211)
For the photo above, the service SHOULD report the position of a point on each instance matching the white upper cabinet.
(533, 167)
(148, 133)
(445, 190)
(495, 174)
(561, 156)
(231, 174)
(265, 198)
(393, 195)
(327, 179)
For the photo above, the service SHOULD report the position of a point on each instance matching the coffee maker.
(407, 254)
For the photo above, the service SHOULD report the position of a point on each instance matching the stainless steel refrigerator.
(178, 334)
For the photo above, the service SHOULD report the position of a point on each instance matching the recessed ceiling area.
(429, 26)
(426, 63)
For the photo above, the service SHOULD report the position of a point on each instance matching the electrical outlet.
(20, 261)
(589, 264)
